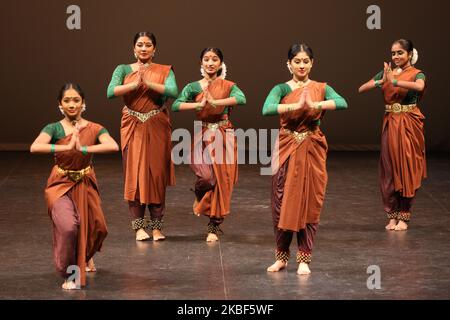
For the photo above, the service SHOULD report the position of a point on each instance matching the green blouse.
(56, 131)
(281, 90)
(413, 96)
(191, 90)
(121, 71)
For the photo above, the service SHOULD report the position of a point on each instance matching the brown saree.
(147, 146)
(217, 176)
(404, 140)
(306, 174)
(84, 194)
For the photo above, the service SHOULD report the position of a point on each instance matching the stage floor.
(414, 264)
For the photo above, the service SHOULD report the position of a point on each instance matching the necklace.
(145, 65)
(400, 70)
(300, 83)
(210, 80)
(72, 122)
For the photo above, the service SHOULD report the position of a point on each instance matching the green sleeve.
(49, 129)
(238, 94)
(421, 75)
(187, 95)
(102, 131)
(330, 94)
(170, 86)
(413, 96)
(270, 107)
(117, 79)
(55, 131)
(379, 76)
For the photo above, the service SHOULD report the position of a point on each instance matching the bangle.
(198, 107)
(84, 150)
(377, 84)
(52, 148)
(395, 82)
(291, 108)
(319, 106)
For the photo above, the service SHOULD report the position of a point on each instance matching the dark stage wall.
(39, 54)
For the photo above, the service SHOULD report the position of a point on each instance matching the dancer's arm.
(168, 89)
(185, 100)
(42, 144)
(417, 85)
(106, 144)
(272, 104)
(116, 87)
(236, 97)
(333, 101)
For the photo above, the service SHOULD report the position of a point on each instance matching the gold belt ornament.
(397, 107)
(74, 175)
(298, 136)
(142, 116)
(214, 125)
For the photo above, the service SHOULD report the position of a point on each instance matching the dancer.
(212, 98)
(299, 160)
(145, 134)
(402, 163)
(72, 195)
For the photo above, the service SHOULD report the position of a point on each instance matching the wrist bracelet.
(84, 150)
(319, 106)
(52, 148)
(377, 84)
(198, 107)
(395, 82)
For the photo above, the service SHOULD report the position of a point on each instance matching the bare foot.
(401, 226)
(193, 208)
(157, 235)
(91, 266)
(277, 266)
(391, 225)
(142, 235)
(303, 269)
(212, 237)
(69, 285)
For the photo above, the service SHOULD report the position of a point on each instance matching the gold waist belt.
(142, 116)
(74, 175)
(298, 136)
(214, 125)
(397, 107)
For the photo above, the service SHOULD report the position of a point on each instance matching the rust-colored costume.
(146, 146)
(299, 176)
(402, 161)
(305, 158)
(215, 180)
(75, 207)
